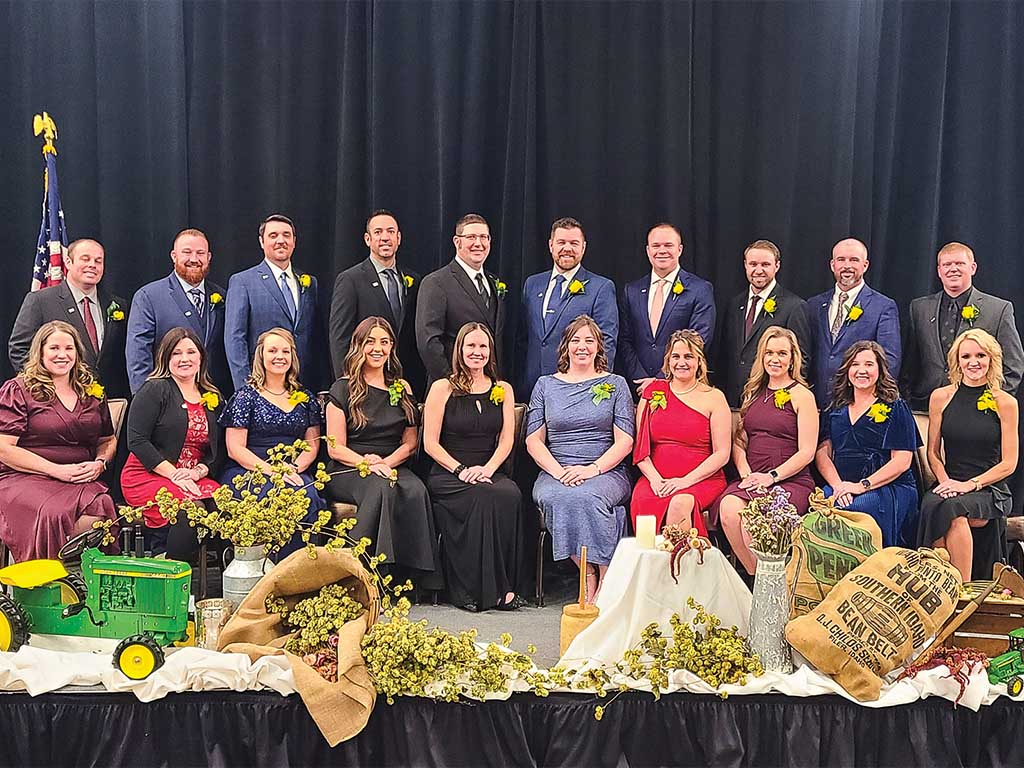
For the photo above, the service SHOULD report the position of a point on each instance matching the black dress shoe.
(517, 602)
(470, 606)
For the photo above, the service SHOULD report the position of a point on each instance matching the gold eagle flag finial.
(43, 124)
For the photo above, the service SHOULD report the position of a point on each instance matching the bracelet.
(458, 470)
(977, 483)
(596, 466)
(101, 461)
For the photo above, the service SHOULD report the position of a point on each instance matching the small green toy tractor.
(141, 600)
(1009, 667)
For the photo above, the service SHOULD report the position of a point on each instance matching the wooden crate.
(987, 628)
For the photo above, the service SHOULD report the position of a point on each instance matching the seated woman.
(776, 438)
(55, 440)
(682, 439)
(273, 408)
(174, 440)
(972, 449)
(579, 431)
(372, 416)
(468, 430)
(867, 439)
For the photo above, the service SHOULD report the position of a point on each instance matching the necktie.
(394, 296)
(657, 305)
(483, 290)
(289, 300)
(950, 322)
(554, 301)
(197, 299)
(90, 324)
(840, 315)
(751, 313)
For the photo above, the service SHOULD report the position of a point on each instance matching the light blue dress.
(578, 432)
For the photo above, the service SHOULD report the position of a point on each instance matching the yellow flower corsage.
(408, 280)
(114, 312)
(782, 397)
(215, 299)
(770, 305)
(305, 281)
(854, 312)
(879, 412)
(987, 402)
(677, 287)
(497, 394)
(210, 400)
(95, 389)
(502, 288)
(658, 400)
(395, 391)
(578, 286)
(970, 313)
(297, 397)
(602, 391)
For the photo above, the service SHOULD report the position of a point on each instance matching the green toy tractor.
(141, 600)
(1009, 667)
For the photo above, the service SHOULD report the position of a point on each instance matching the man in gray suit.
(936, 320)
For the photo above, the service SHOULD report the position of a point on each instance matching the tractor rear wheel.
(1014, 686)
(14, 624)
(138, 656)
(72, 589)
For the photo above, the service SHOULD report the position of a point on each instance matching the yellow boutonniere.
(305, 281)
(210, 400)
(854, 312)
(297, 397)
(782, 397)
(395, 391)
(215, 299)
(95, 389)
(658, 400)
(879, 412)
(114, 312)
(578, 286)
(602, 391)
(770, 305)
(677, 287)
(987, 402)
(970, 313)
(408, 280)
(497, 394)
(501, 287)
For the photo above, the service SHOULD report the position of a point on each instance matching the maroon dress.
(140, 486)
(37, 512)
(772, 438)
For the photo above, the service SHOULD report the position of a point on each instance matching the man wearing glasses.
(459, 293)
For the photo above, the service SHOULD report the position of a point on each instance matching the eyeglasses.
(476, 238)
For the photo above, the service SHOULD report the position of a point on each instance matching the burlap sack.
(339, 709)
(874, 618)
(830, 543)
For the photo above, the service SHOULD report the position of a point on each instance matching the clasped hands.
(187, 478)
(80, 472)
(669, 485)
(949, 488)
(758, 482)
(576, 474)
(376, 464)
(843, 493)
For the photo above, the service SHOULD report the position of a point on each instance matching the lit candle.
(645, 531)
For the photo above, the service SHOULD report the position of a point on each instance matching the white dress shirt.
(762, 295)
(472, 275)
(670, 279)
(851, 299)
(569, 277)
(98, 313)
(293, 283)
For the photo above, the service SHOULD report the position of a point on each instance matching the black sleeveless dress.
(478, 523)
(971, 440)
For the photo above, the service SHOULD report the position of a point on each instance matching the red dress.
(677, 439)
(139, 485)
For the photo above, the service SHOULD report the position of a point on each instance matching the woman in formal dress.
(56, 439)
(273, 408)
(174, 441)
(468, 430)
(373, 417)
(682, 439)
(867, 440)
(579, 431)
(776, 438)
(972, 449)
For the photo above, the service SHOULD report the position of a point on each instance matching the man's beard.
(191, 275)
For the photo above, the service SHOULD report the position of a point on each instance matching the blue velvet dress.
(267, 427)
(578, 432)
(859, 449)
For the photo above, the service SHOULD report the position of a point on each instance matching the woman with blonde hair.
(373, 419)
(972, 449)
(56, 439)
(682, 439)
(776, 438)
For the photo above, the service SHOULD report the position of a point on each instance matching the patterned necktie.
(482, 289)
(197, 299)
(657, 305)
(751, 314)
(289, 300)
(554, 301)
(950, 323)
(394, 296)
(840, 315)
(90, 325)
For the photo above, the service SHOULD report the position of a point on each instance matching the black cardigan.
(157, 423)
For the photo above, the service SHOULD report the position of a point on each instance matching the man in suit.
(553, 299)
(183, 298)
(378, 287)
(764, 303)
(273, 294)
(97, 315)
(459, 293)
(849, 312)
(655, 306)
(936, 320)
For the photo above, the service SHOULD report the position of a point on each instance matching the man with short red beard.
(183, 298)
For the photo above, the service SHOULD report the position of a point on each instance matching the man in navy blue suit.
(656, 305)
(553, 299)
(851, 311)
(273, 294)
(184, 298)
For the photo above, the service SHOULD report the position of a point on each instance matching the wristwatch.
(866, 483)
(977, 483)
(774, 475)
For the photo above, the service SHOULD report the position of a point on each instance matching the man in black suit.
(457, 294)
(763, 304)
(936, 320)
(97, 315)
(378, 287)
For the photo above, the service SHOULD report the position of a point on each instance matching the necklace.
(685, 391)
(269, 391)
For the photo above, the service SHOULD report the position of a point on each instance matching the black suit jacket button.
(543, 343)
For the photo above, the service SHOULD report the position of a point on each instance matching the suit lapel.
(863, 301)
(582, 275)
(763, 319)
(380, 297)
(467, 285)
(823, 327)
(266, 277)
(73, 314)
(671, 300)
(188, 309)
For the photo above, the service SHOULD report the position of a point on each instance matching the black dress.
(397, 519)
(972, 441)
(479, 523)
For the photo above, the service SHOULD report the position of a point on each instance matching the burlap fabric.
(873, 619)
(340, 709)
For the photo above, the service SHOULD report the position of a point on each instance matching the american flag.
(53, 235)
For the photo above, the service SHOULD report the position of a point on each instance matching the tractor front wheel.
(14, 624)
(1014, 686)
(138, 656)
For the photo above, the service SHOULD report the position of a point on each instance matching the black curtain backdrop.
(802, 122)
